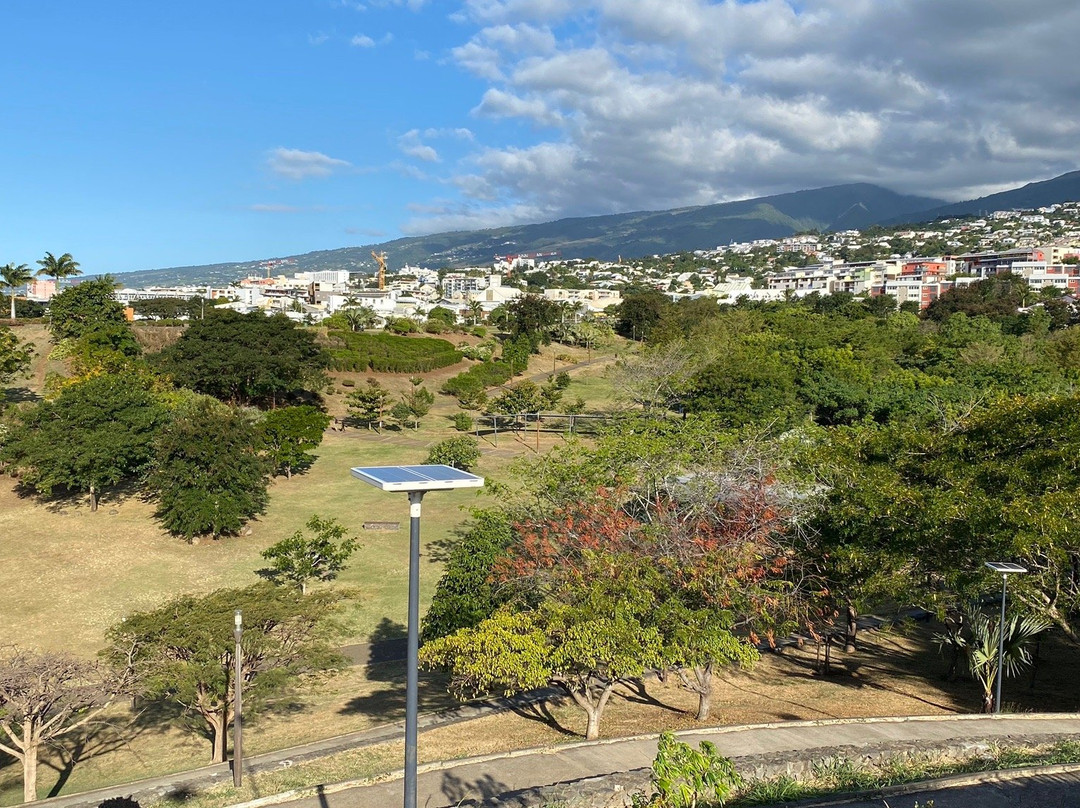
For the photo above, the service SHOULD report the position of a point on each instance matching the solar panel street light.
(1004, 569)
(415, 481)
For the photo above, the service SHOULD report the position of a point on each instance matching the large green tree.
(914, 510)
(289, 435)
(466, 593)
(246, 358)
(209, 474)
(183, 651)
(95, 435)
(13, 276)
(585, 650)
(84, 308)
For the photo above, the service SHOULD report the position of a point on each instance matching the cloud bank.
(660, 103)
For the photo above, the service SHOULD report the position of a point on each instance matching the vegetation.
(59, 267)
(97, 434)
(300, 559)
(388, 353)
(461, 452)
(82, 309)
(45, 697)
(15, 356)
(289, 434)
(208, 475)
(183, 652)
(13, 276)
(246, 359)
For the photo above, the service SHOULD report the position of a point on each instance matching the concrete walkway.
(532, 777)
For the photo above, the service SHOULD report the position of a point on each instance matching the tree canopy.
(209, 475)
(245, 358)
(84, 308)
(95, 435)
(183, 651)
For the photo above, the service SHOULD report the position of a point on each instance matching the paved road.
(563, 771)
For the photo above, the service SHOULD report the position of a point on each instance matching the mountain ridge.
(848, 206)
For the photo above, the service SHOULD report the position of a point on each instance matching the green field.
(69, 574)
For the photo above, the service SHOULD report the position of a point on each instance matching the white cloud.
(652, 103)
(273, 208)
(362, 41)
(411, 145)
(296, 164)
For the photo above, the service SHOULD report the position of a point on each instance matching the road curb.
(936, 784)
(442, 765)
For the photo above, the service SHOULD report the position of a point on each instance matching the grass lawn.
(894, 672)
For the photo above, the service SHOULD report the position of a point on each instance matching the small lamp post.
(238, 701)
(1004, 569)
(414, 481)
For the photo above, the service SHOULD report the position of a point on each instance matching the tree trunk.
(93, 499)
(288, 472)
(988, 702)
(29, 764)
(592, 728)
(852, 629)
(828, 654)
(217, 730)
(703, 674)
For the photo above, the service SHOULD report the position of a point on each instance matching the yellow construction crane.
(381, 258)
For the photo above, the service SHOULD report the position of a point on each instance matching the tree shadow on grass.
(94, 740)
(540, 711)
(636, 692)
(388, 703)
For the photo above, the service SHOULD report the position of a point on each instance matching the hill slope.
(603, 237)
(1065, 188)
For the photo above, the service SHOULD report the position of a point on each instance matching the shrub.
(348, 383)
(387, 353)
(462, 421)
(471, 384)
(461, 452)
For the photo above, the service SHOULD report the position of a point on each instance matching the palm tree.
(12, 276)
(476, 311)
(981, 648)
(59, 268)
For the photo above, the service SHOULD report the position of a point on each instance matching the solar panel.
(1005, 567)
(416, 478)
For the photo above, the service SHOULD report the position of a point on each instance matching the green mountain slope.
(1065, 188)
(602, 237)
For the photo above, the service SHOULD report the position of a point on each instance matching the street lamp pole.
(415, 481)
(1004, 568)
(238, 701)
(412, 655)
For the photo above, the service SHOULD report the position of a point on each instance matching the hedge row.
(387, 353)
(477, 379)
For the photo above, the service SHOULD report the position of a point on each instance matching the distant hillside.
(840, 207)
(1065, 188)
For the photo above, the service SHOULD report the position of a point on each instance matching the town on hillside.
(915, 265)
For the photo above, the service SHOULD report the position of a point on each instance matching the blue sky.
(139, 134)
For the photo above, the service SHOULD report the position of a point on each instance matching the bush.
(460, 452)
(479, 331)
(462, 421)
(471, 384)
(348, 383)
(386, 353)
